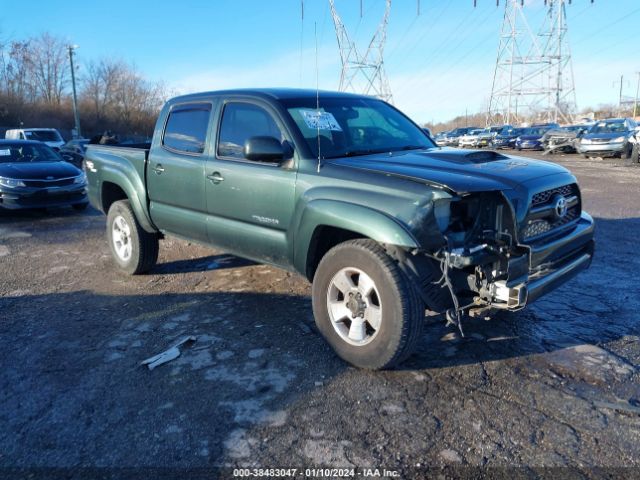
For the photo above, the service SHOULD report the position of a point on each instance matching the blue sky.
(439, 63)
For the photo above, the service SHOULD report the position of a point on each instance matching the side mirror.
(264, 149)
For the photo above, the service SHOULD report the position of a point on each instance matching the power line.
(533, 73)
(363, 72)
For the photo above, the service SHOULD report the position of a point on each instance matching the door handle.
(158, 169)
(215, 177)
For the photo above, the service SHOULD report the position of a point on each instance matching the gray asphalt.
(555, 385)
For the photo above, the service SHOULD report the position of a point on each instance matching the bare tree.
(48, 67)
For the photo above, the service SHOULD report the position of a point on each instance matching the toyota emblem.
(560, 206)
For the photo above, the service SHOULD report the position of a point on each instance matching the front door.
(176, 172)
(250, 203)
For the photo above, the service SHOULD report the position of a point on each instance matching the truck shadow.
(212, 262)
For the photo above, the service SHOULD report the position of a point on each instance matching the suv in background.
(531, 139)
(608, 138)
(50, 136)
(485, 139)
(507, 137)
(453, 137)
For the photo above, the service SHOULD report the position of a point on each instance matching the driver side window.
(241, 121)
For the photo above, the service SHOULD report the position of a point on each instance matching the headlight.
(518, 139)
(618, 140)
(11, 182)
(80, 179)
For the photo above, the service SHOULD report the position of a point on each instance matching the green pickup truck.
(350, 193)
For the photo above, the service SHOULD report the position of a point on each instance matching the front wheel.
(134, 249)
(365, 307)
(634, 157)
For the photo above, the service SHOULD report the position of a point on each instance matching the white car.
(50, 136)
(470, 139)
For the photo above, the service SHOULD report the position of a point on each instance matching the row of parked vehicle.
(614, 137)
(38, 169)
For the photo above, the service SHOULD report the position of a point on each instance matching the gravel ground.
(552, 389)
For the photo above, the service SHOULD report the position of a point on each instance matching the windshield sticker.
(5, 153)
(320, 120)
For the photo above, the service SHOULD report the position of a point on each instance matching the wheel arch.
(326, 223)
(114, 186)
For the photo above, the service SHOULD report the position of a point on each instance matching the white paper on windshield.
(5, 153)
(320, 120)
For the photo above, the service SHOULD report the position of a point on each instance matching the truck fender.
(359, 219)
(122, 180)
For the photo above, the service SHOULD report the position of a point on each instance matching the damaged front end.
(489, 260)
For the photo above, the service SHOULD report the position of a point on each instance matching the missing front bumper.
(515, 297)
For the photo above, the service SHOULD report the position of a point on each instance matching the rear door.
(176, 171)
(250, 203)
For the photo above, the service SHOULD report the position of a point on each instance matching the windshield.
(354, 126)
(608, 127)
(42, 135)
(21, 152)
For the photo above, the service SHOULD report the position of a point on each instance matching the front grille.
(539, 227)
(63, 182)
(542, 198)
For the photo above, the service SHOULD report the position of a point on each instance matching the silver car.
(608, 138)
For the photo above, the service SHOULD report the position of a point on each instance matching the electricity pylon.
(533, 76)
(363, 73)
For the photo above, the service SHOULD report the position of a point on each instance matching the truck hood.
(457, 170)
(38, 170)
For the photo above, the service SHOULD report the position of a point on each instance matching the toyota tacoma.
(351, 194)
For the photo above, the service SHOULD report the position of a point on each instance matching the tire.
(136, 250)
(80, 206)
(380, 341)
(634, 157)
(584, 155)
(627, 152)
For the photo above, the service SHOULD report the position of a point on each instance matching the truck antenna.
(315, 33)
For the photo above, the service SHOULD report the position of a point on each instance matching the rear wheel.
(134, 249)
(365, 307)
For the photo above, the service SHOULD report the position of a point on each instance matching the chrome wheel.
(354, 306)
(121, 237)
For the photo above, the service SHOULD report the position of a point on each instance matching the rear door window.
(186, 128)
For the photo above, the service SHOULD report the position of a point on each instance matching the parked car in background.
(635, 149)
(73, 151)
(453, 137)
(77, 145)
(50, 136)
(531, 139)
(564, 139)
(428, 133)
(469, 139)
(441, 139)
(608, 138)
(485, 138)
(507, 137)
(33, 175)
